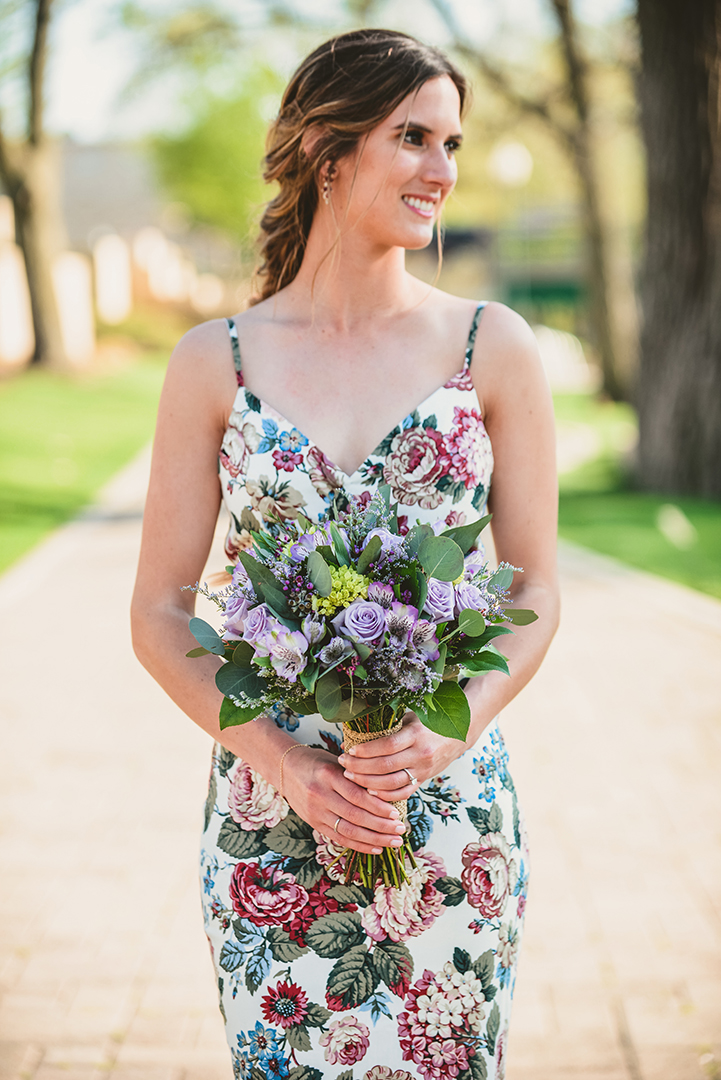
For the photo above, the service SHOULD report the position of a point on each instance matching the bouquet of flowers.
(350, 619)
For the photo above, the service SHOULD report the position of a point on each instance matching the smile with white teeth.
(423, 206)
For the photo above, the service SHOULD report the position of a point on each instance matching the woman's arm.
(180, 515)
(518, 414)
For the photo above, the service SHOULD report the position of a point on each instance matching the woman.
(300, 399)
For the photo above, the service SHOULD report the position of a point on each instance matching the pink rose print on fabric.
(501, 1055)
(489, 874)
(454, 518)
(330, 855)
(323, 474)
(234, 454)
(405, 912)
(346, 1041)
(413, 467)
(443, 1016)
(264, 894)
(285, 503)
(468, 457)
(253, 802)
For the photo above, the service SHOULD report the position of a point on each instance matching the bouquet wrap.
(354, 737)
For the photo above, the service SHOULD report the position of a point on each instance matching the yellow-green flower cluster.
(348, 585)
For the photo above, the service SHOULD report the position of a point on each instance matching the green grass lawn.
(62, 437)
(600, 509)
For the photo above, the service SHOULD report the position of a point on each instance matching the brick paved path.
(616, 750)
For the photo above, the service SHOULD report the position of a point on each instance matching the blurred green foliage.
(599, 508)
(213, 166)
(62, 438)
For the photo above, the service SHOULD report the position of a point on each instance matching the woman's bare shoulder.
(201, 368)
(505, 358)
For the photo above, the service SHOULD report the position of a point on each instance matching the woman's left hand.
(394, 766)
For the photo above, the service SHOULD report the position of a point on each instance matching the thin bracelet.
(283, 757)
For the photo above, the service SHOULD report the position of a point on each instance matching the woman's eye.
(452, 146)
(414, 137)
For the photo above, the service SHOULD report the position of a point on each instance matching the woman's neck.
(345, 281)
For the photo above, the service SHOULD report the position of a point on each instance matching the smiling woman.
(345, 376)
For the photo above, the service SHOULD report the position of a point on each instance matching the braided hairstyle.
(344, 89)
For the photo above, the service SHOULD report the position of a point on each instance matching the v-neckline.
(235, 343)
(310, 442)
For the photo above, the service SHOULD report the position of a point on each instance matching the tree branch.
(575, 62)
(8, 174)
(500, 80)
(36, 71)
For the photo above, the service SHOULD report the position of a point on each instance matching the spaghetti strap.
(235, 346)
(472, 333)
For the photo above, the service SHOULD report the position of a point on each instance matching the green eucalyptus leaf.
(487, 660)
(339, 544)
(243, 654)
(234, 681)
(206, 636)
(231, 715)
(363, 650)
(465, 535)
(200, 651)
(501, 579)
(451, 715)
(520, 616)
(348, 711)
(471, 622)
(308, 677)
(369, 554)
(328, 554)
(441, 558)
(328, 695)
(319, 573)
(416, 536)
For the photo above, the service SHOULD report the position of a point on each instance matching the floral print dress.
(318, 979)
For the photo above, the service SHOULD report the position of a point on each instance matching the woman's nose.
(440, 167)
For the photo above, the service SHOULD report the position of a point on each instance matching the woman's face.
(403, 177)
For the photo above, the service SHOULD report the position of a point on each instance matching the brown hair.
(344, 89)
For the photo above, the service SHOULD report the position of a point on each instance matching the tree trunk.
(679, 387)
(39, 232)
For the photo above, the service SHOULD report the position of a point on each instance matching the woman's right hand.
(319, 793)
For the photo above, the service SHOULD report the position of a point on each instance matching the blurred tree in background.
(28, 166)
(679, 389)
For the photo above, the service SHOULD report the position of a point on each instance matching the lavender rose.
(390, 543)
(234, 616)
(470, 596)
(258, 621)
(361, 621)
(440, 601)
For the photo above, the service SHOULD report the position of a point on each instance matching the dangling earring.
(327, 185)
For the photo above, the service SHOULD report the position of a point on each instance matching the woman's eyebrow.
(411, 126)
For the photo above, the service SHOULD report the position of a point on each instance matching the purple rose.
(258, 622)
(470, 596)
(440, 600)
(361, 621)
(390, 543)
(473, 562)
(235, 614)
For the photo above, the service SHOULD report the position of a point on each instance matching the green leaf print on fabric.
(303, 1072)
(494, 1023)
(298, 1037)
(353, 978)
(238, 842)
(332, 935)
(282, 946)
(347, 1075)
(486, 821)
(210, 802)
(226, 761)
(394, 964)
(317, 1015)
(461, 960)
(452, 889)
(292, 836)
(483, 968)
(350, 894)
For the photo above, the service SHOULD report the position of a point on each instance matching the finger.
(380, 766)
(384, 782)
(354, 835)
(359, 796)
(388, 744)
(384, 827)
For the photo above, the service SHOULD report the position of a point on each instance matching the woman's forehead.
(435, 103)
